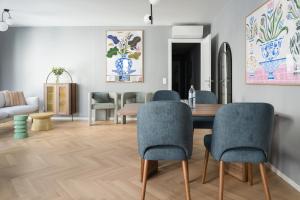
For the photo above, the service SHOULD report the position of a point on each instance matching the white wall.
(28, 54)
(229, 26)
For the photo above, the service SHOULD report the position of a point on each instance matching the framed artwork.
(273, 43)
(124, 56)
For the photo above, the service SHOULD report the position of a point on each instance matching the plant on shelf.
(58, 71)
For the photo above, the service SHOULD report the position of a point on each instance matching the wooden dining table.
(238, 170)
(204, 110)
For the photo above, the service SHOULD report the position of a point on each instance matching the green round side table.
(20, 124)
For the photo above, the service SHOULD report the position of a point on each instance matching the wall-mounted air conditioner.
(182, 32)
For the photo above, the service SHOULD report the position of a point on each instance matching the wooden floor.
(75, 161)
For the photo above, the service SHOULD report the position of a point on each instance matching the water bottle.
(192, 97)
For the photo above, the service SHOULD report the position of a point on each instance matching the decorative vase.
(271, 49)
(57, 78)
(123, 68)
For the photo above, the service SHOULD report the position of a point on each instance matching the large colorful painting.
(124, 56)
(273, 43)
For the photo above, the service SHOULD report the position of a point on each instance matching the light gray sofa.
(7, 113)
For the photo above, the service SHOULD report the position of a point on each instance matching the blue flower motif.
(114, 39)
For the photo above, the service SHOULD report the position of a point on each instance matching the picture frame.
(271, 44)
(125, 56)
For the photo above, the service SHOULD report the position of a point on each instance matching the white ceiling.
(109, 12)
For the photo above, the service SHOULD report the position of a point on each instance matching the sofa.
(7, 113)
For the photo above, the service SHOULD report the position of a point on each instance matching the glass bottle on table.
(192, 97)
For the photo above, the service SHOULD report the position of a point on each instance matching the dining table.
(237, 170)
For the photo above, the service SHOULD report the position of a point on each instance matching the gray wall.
(229, 26)
(28, 54)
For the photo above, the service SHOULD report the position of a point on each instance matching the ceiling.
(109, 12)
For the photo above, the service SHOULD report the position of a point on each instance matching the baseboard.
(63, 118)
(285, 177)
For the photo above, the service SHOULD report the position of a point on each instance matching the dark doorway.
(185, 67)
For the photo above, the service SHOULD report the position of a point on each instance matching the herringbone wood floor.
(75, 161)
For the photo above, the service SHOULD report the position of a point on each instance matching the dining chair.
(204, 97)
(165, 132)
(241, 133)
(166, 95)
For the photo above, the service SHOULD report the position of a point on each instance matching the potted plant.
(57, 71)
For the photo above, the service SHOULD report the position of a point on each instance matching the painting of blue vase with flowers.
(273, 43)
(124, 56)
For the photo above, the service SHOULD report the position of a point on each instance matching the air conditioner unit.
(194, 32)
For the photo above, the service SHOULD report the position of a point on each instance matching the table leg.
(237, 170)
(124, 119)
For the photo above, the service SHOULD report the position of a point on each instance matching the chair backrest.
(101, 97)
(206, 97)
(165, 123)
(242, 125)
(166, 95)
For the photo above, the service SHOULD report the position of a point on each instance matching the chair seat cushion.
(103, 106)
(165, 153)
(207, 141)
(20, 110)
(244, 155)
(3, 115)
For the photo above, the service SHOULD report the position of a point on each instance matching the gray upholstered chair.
(166, 95)
(241, 133)
(102, 101)
(204, 97)
(165, 132)
(135, 97)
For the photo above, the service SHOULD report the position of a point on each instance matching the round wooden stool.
(41, 121)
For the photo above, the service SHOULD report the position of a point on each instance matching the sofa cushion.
(14, 98)
(2, 99)
(18, 110)
(3, 115)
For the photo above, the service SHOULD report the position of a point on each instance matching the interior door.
(206, 64)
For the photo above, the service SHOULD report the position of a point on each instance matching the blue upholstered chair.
(241, 133)
(204, 97)
(165, 132)
(166, 95)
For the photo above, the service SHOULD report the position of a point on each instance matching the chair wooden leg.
(185, 169)
(142, 168)
(205, 166)
(265, 180)
(146, 163)
(221, 183)
(250, 174)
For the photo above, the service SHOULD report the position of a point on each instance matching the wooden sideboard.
(60, 99)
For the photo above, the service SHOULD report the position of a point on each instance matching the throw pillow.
(13, 98)
(2, 99)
